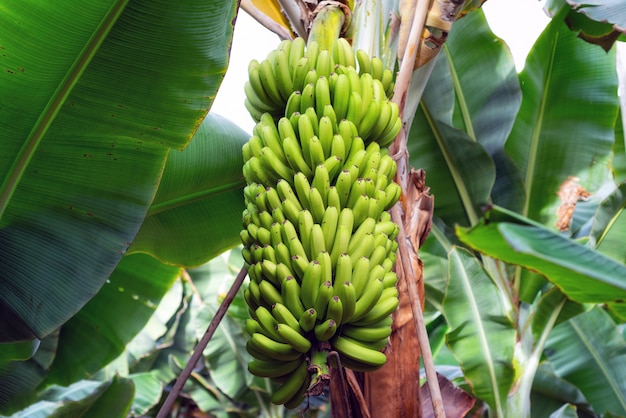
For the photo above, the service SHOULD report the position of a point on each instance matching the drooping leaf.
(148, 390)
(590, 352)
(609, 225)
(111, 399)
(548, 305)
(19, 379)
(566, 411)
(584, 275)
(549, 392)
(612, 11)
(482, 337)
(196, 213)
(88, 117)
(618, 163)
(100, 331)
(565, 126)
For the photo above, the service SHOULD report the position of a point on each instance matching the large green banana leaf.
(482, 336)
(609, 225)
(444, 138)
(196, 213)
(97, 334)
(583, 274)
(565, 126)
(590, 352)
(88, 399)
(94, 95)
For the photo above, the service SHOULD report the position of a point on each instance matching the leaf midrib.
(481, 335)
(52, 108)
(460, 94)
(193, 197)
(601, 365)
(456, 176)
(534, 143)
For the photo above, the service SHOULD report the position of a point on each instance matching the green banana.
(291, 386)
(354, 351)
(291, 296)
(283, 315)
(293, 337)
(326, 330)
(307, 319)
(273, 368)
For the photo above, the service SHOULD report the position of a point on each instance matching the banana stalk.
(329, 20)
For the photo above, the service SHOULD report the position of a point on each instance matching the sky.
(517, 22)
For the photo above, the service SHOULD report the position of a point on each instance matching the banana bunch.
(319, 243)
(294, 79)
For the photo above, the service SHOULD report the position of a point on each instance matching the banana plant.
(127, 203)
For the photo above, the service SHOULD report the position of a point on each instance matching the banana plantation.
(413, 227)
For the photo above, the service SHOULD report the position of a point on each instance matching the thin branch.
(418, 316)
(403, 81)
(405, 246)
(197, 353)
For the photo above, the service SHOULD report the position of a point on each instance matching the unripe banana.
(292, 297)
(307, 98)
(365, 62)
(291, 386)
(298, 341)
(322, 94)
(324, 295)
(350, 349)
(335, 309)
(307, 319)
(303, 188)
(273, 368)
(269, 294)
(347, 294)
(311, 283)
(326, 330)
(294, 104)
(300, 395)
(301, 70)
(368, 300)
(282, 74)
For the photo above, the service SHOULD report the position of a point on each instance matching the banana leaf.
(565, 126)
(611, 11)
(609, 225)
(549, 392)
(566, 411)
(94, 96)
(482, 336)
(196, 213)
(98, 334)
(93, 337)
(618, 164)
(18, 379)
(590, 352)
(582, 274)
(466, 114)
(111, 399)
